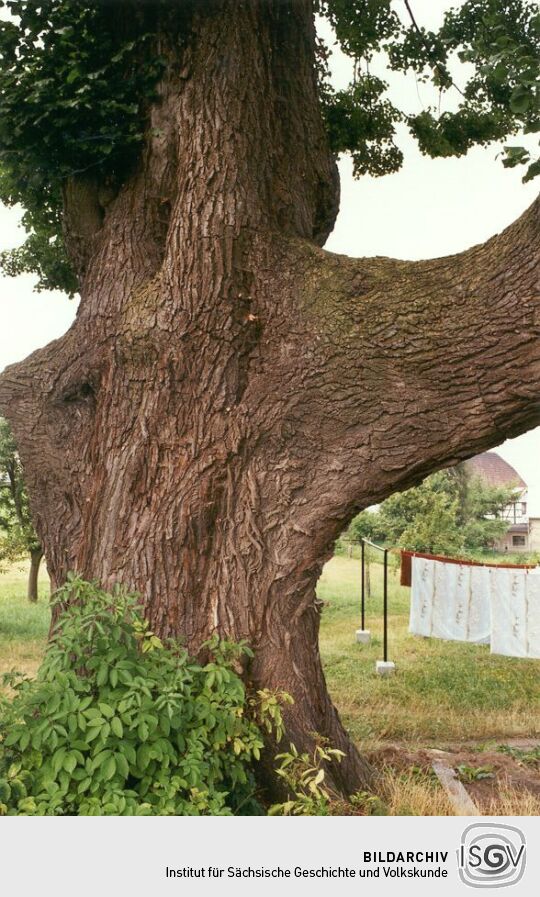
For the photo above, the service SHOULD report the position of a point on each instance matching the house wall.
(517, 512)
(534, 533)
(505, 543)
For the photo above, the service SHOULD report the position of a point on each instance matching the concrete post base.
(385, 667)
(363, 636)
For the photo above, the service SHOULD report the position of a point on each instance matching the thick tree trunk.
(36, 556)
(230, 394)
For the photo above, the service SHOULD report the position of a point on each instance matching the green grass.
(441, 691)
(23, 626)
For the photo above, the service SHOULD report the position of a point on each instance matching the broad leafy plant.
(304, 778)
(119, 723)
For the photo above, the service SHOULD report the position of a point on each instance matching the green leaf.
(97, 721)
(129, 752)
(100, 758)
(117, 727)
(109, 768)
(143, 731)
(102, 675)
(72, 723)
(122, 765)
(520, 99)
(58, 760)
(92, 734)
(143, 757)
(70, 762)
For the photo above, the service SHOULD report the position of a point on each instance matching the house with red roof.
(523, 532)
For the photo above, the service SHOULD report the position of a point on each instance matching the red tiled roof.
(491, 468)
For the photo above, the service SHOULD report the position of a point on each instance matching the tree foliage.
(498, 39)
(77, 80)
(17, 534)
(450, 512)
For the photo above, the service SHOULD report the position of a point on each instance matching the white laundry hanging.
(515, 612)
(422, 593)
(450, 601)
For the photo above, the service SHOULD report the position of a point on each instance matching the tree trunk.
(230, 395)
(36, 556)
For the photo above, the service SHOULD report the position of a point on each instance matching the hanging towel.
(515, 613)
(422, 595)
(449, 601)
(479, 615)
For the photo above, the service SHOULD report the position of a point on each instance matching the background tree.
(366, 525)
(484, 507)
(193, 434)
(425, 518)
(449, 513)
(17, 534)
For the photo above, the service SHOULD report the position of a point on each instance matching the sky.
(428, 209)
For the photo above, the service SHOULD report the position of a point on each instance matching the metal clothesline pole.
(363, 635)
(363, 586)
(383, 667)
(385, 607)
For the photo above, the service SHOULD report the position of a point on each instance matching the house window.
(518, 540)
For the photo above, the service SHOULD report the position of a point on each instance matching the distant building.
(534, 534)
(523, 532)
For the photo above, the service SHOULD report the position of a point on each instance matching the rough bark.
(230, 394)
(36, 556)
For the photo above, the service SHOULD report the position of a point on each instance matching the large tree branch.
(395, 369)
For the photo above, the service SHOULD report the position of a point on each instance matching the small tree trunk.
(36, 556)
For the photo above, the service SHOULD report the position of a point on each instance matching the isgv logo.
(491, 855)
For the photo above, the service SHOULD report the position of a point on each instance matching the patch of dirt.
(519, 770)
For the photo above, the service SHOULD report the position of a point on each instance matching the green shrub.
(304, 778)
(119, 723)
(308, 792)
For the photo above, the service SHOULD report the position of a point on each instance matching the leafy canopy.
(450, 512)
(72, 91)
(77, 78)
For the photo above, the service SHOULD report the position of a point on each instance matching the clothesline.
(478, 603)
(407, 556)
(458, 599)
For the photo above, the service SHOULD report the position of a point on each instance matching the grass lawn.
(442, 694)
(23, 626)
